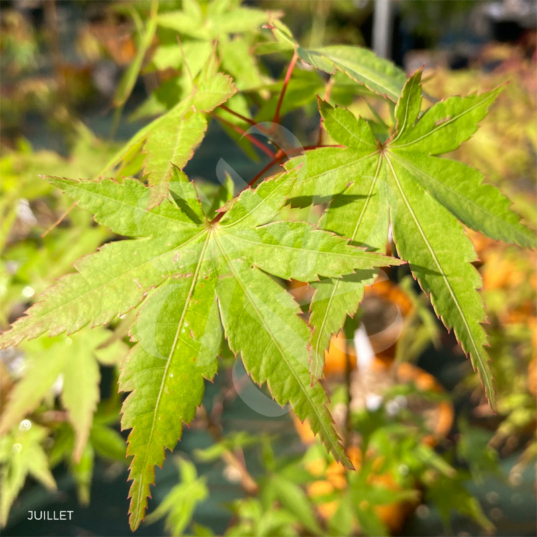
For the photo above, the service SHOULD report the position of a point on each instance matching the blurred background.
(78, 79)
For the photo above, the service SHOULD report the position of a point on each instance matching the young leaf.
(172, 144)
(240, 64)
(179, 504)
(21, 454)
(174, 56)
(425, 195)
(211, 270)
(219, 20)
(76, 358)
(359, 64)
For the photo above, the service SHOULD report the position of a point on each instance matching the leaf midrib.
(328, 436)
(347, 164)
(485, 378)
(336, 283)
(445, 123)
(401, 129)
(407, 164)
(79, 297)
(300, 249)
(170, 356)
(74, 185)
(339, 63)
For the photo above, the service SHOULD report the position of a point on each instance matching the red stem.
(284, 87)
(278, 157)
(255, 141)
(236, 114)
(308, 147)
(218, 217)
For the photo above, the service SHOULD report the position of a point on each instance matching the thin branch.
(240, 116)
(248, 483)
(279, 157)
(348, 424)
(245, 119)
(255, 141)
(185, 61)
(318, 146)
(60, 220)
(284, 87)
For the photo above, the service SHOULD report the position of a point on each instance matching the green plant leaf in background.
(130, 76)
(209, 21)
(179, 504)
(451, 494)
(169, 140)
(22, 454)
(76, 359)
(359, 64)
(294, 499)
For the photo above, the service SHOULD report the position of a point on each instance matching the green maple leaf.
(168, 142)
(77, 360)
(358, 63)
(201, 26)
(214, 19)
(425, 197)
(240, 63)
(207, 275)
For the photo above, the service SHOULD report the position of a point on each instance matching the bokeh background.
(452, 465)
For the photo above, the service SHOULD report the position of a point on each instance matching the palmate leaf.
(220, 17)
(207, 275)
(425, 196)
